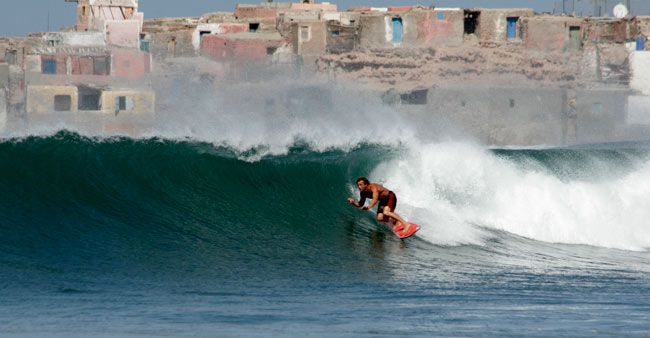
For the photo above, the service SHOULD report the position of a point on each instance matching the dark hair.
(365, 180)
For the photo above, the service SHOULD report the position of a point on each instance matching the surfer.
(386, 198)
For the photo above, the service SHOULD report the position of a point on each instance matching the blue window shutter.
(512, 27)
(49, 67)
(397, 30)
(441, 16)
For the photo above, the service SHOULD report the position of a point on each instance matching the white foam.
(452, 187)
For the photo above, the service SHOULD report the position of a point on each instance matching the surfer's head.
(362, 183)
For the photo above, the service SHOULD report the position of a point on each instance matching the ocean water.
(234, 236)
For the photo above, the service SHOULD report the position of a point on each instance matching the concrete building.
(119, 20)
(74, 64)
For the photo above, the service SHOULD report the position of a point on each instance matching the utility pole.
(629, 7)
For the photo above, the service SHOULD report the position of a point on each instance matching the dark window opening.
(335, 33)
(271, 50)
(462, 103)
(512, 103)
(201, 34)
(121, 103)
(101, 65)
(144, 45)
(351, 22)
(471, 21)
(89, 98)
(415, 97)
(49, 66)
(253, 27)
(62, 103)
(11, 56)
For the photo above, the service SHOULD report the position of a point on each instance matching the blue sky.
(19, 17)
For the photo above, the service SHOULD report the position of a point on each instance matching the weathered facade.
(241, 47)
(553, 33)
(501, 25)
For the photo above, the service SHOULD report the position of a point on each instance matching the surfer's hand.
(351, 201)
(364, 208)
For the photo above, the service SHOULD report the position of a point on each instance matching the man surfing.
(386, 198)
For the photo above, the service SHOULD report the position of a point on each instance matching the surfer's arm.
(375, 198)
(361, 202)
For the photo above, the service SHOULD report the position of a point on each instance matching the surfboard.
(398, 229)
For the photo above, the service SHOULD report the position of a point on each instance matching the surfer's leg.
(389, 213)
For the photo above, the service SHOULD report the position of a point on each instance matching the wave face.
(234, 234)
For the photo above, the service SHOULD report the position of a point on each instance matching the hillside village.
(505, 76)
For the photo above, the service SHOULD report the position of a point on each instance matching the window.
(512, 27)
(144, 45)
(82, 65)
(89, 102)
(512, 103)
(470, 22)
(304, 33)
(101, 65)
(201, 34)
(88, 98)
(397, 30)
(124, 103)
(11, 56)
(253, 27)
(441, 16)
(335, 33)
(49, 66)
(62, 102)
(120, 103)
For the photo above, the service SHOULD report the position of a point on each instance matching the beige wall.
(40, 99)
(316, 42)
(138, 102)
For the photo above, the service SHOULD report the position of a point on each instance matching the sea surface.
(156, 236)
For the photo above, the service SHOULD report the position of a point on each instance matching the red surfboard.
(398, 229)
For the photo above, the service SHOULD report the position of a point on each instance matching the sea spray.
(456, 187)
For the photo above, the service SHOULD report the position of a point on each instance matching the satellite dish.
(620, 11)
